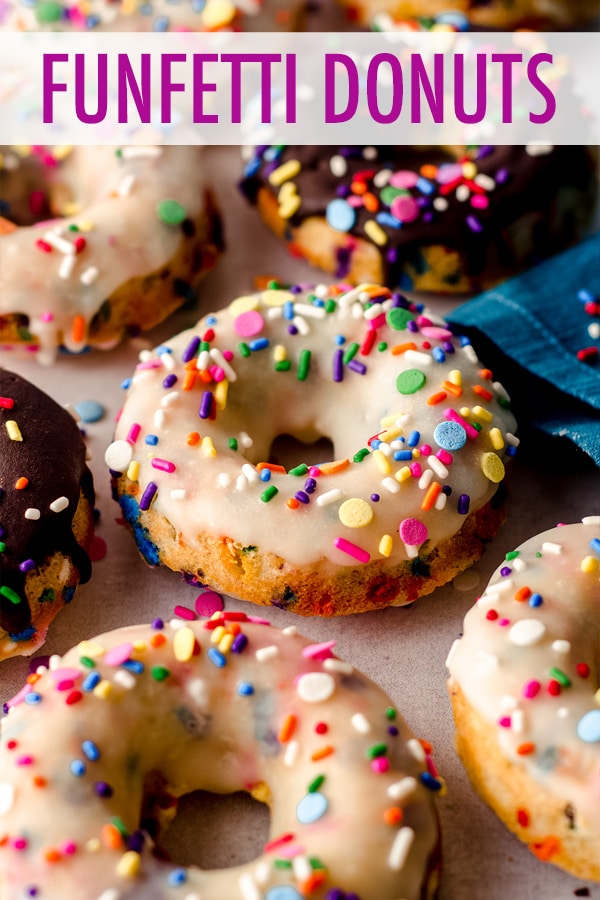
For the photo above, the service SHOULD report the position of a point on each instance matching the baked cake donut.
(524, 687)
(46, 513)
(449, 220)
(148, 15)
(92, 748)
(110, 240)
(419, 432)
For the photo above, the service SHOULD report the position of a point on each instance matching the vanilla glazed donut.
(46, 513)
(148, 15)
(91, 747)
(439, 219)
(419, 433)
(111, 241)
(524, 688)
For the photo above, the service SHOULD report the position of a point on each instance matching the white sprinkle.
(135, 151)
(198, 692)
(166, 358)
(425, 479)
(169, 399)
(54, 662)
(291, 754)
(390, 484)
(302, 325)
(538, 149)
(59, 504)
(411, 551)
(563, 712)
(462, 193)
(348, 298)
(501, 587)
(440, 501)
(111, 894)
(301, 867)
(438, 467)
(159, 419)
(381, 178)
(591, 520)
(245, 440)
(118, 456)
(518, 564)
(65, 270)
(220, 360)
(312, 312)
(274, 312)
(441, 204)
(469, 352)
(89, 275)
(416, 358)
(594, 330)
(511, 439)
(485, 181)
(124, 678)
(508, 703)
(315, 687)
(125, 185)
(32, 514)
(248, 889)
(59, 243)
(262, 872)
(264, 654)
(178, 494)
(552, 548)
(400, 848)
(526, 632)
(290, 630)
(402, 789)
(338, 165)
(517, 721)
(562, 647)
(241, 483)
(416, 750)
(360, 723)
(250, 473)
(224, 479)
(7, 797)
(329, 497)
(373, 311)
(203, 360)
(337, 665)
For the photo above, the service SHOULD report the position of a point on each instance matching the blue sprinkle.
(33, 698)
(375, 444)
(311, 808)
(245, 689)
(288, 310)
(77, 768)
(403, 455)
(588, 727)
(431, 783)
(252, 167)
(595, 545)
(90, 410)
(425, 186)
(283, 892)
(535, 600)
(386, 218)
(217, 658)
(177, 877)
(265, 475)
(585, 296)
(20, 636)
(151, 439)
(259, 344)
(162, 348)
(90, 682)
(90, 751)
(133, 665)
(340, 215)
(414, 438)
(126, 384)
(438, 354)
(160, 24)
(211, 320)
(339, 339)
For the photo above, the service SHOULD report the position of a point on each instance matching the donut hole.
(202, 833)
(30, 188)
(289, 451)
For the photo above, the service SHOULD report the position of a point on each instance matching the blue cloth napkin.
(529, 330)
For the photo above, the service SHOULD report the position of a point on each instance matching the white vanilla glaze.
(110, 231)
(221, 705)
(379, 504)
(529, 662)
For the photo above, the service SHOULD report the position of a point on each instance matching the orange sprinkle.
(39, 781)
(327, 750)
(397, 349)
(157, 640)
(205, 376)
(546, 848)
(314, 881)
(436, 398)
(287, 729)
(428, 170)
(523, 594)
(3, 840)
(393, 815)
(371, 202)
(454, 389)
(332, 468)
(111, 836)
(431, 495)
(193, 438)
(271, 467)
(427, 746)
(189, 381)
(51, 855)
(486, 374)
(78, 329)
(482, 392)
(359, 187)
(191, 365)
(526, 749)
(21, 483)
(31, 679)
(292, 503)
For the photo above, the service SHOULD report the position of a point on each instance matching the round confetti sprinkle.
(90, 410)
(208, 603)
(170, 212)
(410, 381)
(588, 727)
(48, 11)
(315, 687)
(450, 435)
(355, 513)
(249, 323)
(492, 467)
(404, 179)
(527, 632)
(283, 892)
(340, 215)
(398, 318)
(311, 808)
(413, 532)
(118, 456)
(405, 208)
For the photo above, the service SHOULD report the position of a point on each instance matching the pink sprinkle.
(453, 416)
(20, 843)
(256, 620)
(413, 532)
(503, 622)
(377, 322)
(149, 364)
(445, 456)
(505, 722)
(358, 553)
(43, 245)
(47, 317)
(208, 603)
(314, 471)
(380, 765)
(24, 760)
(183, 612)
(355, 201)
(20, 697)
(404, 179)
(288, 851)
(479, 201)
(416, 470)
(431, 766)
(134, 433)
(65, 684)
(97, 549)
(426, 449)
(227, 355)
(216, 373)
(319, 651)
(66, 674)
(436, 332)
(118, 655)
(531, 689)
(405, 208)
(69, 848)
(249, 323)
(165, 465)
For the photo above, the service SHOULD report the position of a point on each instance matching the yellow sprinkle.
(465, 412)
(91, 649)
(276, 298)
(289, 208)
(218, 13)
(217, 615)
(355, 513)
(129, 864)
(375, 232)
(403, 474)
(243, 304)
(382, 462)
(287, 191)
(103, 689)
(226, 642)
(492, 467)
(261, 792)
(85, 225)
(387, 421)
(220, 394)
(70, 209)
(390, 434)
(14, 432)
(590, 565)
(496, 438)
(481, 413)
(207, 447)
(217, 634)
(61, 151)
(140, 646)
(455, 377)
(279, 353)
(93, 845)
(183, 644)
(284, 172)
(385, 545)
(133, 470)
(469, 170)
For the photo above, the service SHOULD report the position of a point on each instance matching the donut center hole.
(289, 451)
(216, 831)
(29, 188)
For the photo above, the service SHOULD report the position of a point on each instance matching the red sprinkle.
(583, 670)
(587, 354)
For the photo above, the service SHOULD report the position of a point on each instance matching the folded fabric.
(530, 331)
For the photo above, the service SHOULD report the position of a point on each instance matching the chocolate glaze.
(524, 183)
(52, 457)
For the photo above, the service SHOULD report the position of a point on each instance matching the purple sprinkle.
(170, 380)
(27, 565)
(292, 329)
(302, 497)
(295, 289)
(136, 841)
(393, 730)
(239, 643)
(310, 485)
(505, 571)
(103, 789)
(474, 224)
(338, 365)
(357, 366)
(464, 502)
(191, 350)
(502, 176)
(158, 624)
(148, 495)
(375, 498)
(412, 326)
(205, 405)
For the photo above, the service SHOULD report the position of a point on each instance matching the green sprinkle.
(10, 594)
(87, 661)
(330, 306)
(391, 713)
(273, 285)
(316, 863)
(284, 365)
(382, 346)
(410, 381)
(560, 676)
(477, 426)
(302, 469)
(2, 546)
(512, 554)
(389, 193)
(204, 345)
(244, 348)
(160, 673)
(269, 493)
(377, 750)
(315, 784)
(119, 824)
(170, 212)
(232, 443)
(360, 454)
(48, 11)
(73, 227)
(303, 365)
(282, 864)
(504, 402)
(350, 353)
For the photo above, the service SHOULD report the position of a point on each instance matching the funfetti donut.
(101, 242)
(524, 688)
(145, 713)
(46, 513)
(420, 433)
(440, 219)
